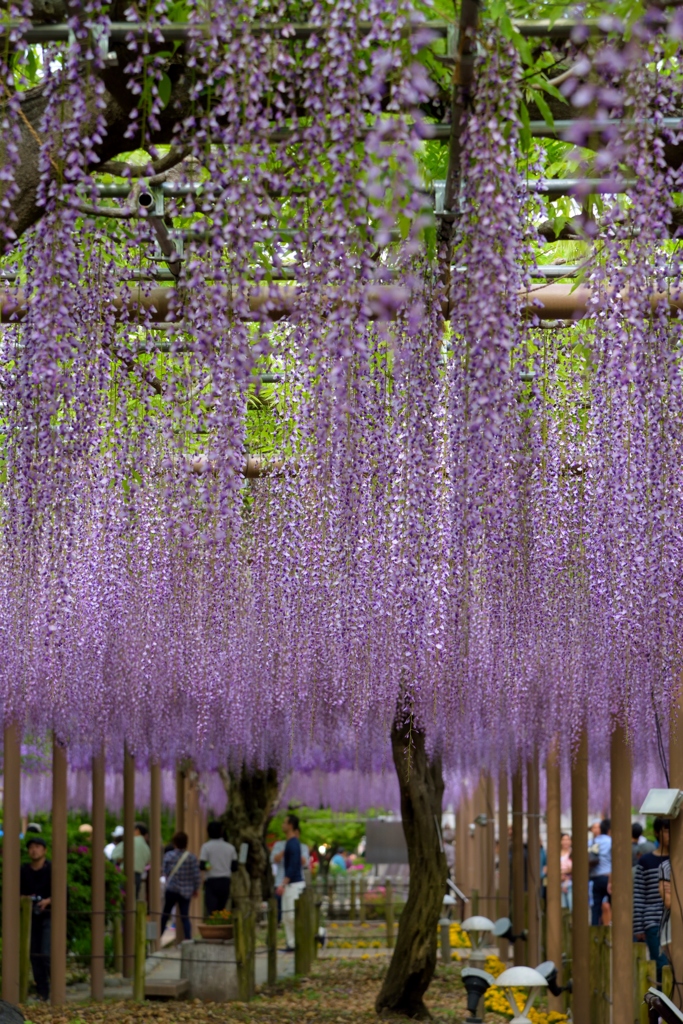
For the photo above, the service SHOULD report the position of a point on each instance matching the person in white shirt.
(217, 859)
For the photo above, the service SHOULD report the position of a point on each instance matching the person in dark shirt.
(293, 883)
(36, 882)
(648, 907)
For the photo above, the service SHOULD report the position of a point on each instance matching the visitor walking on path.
(218, 859)
(181, 870)
(648, 906)
(36, 881)
(600, 854)
(566, 869)
(293, 882)
(142, 854)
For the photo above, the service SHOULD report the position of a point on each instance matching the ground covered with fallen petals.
(337, 992)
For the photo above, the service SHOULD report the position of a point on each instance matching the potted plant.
(217, 927)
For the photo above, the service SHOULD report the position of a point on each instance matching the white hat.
(118, 832)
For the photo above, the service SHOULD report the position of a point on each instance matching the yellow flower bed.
(458, 938)
(496, 1000)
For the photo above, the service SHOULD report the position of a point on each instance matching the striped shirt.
(186, 878)
(647, 903)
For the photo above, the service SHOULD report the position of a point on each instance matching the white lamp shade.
(520, 977)
(477, 924)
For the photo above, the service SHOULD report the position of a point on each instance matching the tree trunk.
(414, 961)
(251, 800)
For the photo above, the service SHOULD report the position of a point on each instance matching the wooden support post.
(566, 955)
(676, 850)
(241, 956)
(622, 877)
(11, 859)
(554, 878)
(518, 915)
(154, 878)
(533, 863)
(302, 935)
(180, 793)
(315, 917)
(389, 912)
(250, 922)
(59, 876)
(489, 878)
(25, 947)
(503, 908)
(478, 841)
(97, 902)
(129, 863)
(362, 908)
(117, 942)
(140, 951)
(640, 952)
(352, 901)
(667, 980)
(461, 840)
(179, 800)
(445, 928)
(580, 926)
(647, 976)
(272, 941)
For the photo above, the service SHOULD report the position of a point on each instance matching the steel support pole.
(154, 881)
(11, 859)
(553, 932)
(503, 906)
(622, 877)
(59, 877)
(518, 923)
(129, 863)
(533, 862)
(98, 841)
(580, 926)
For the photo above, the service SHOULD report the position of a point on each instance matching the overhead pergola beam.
(382, 302)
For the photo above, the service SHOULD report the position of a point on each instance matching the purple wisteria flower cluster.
(471, 519)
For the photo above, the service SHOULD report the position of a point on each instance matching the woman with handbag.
(181, 870)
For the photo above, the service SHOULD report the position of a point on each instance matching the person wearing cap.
(36, 882)
(110, 847)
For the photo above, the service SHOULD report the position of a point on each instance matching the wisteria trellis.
(498, 554)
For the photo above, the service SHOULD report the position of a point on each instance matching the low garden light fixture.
(478, 928)
(521, 977)
(476, 983)
(502, 929)
(549, 972)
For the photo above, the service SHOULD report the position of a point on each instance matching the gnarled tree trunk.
(414, 961)
(251, 800)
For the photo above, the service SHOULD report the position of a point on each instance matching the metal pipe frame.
(122, 31)
(537, 186)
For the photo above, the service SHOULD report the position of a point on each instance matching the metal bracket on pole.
(169, 243)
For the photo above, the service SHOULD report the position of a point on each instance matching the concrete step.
(166, 988)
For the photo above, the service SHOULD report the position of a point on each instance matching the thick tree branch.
(124, 170)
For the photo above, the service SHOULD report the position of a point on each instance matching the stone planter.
(210, 970)
(216, 932)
